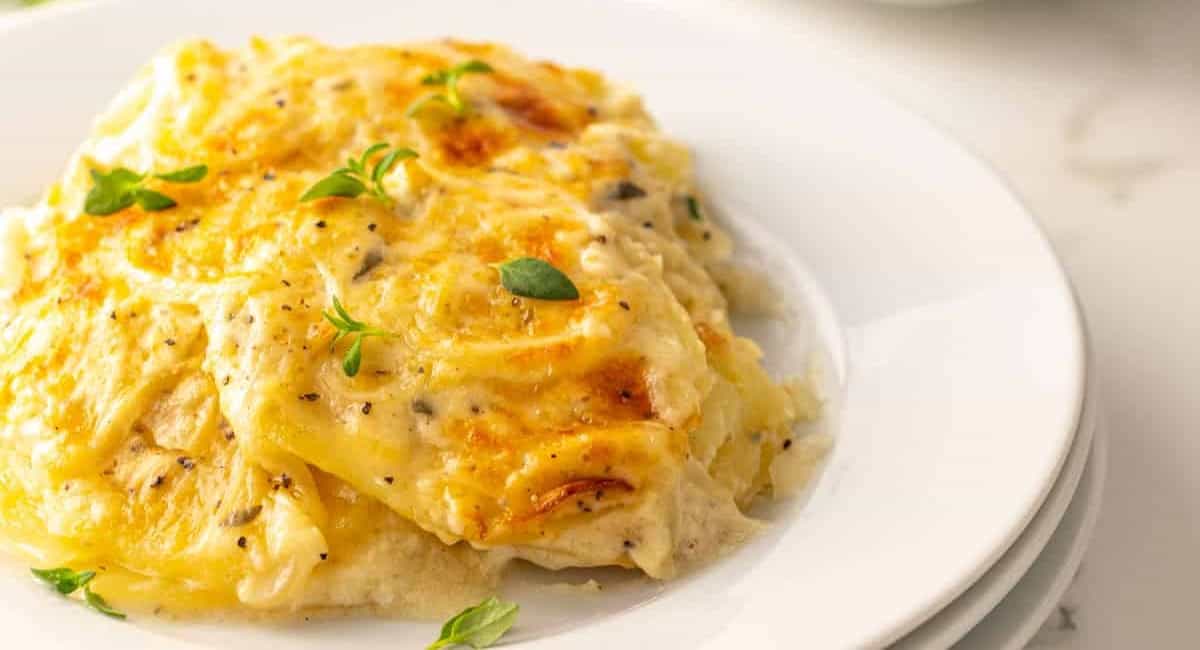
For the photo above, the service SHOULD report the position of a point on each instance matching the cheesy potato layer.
(172, 410)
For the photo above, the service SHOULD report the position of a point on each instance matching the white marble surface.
(1091, 109)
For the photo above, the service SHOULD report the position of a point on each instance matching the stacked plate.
(1006, 607)
(968, 462)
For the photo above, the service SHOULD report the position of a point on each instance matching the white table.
(1091, 108)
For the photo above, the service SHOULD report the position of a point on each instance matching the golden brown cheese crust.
(170, 401)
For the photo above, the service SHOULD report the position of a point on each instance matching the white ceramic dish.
(949, 325)
(1016, 620)
(978, 602)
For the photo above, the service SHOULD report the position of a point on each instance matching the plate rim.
(945, 628)
(1038, 593)
(760, 15)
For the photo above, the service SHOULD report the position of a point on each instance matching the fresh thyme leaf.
(120, 177)
(64, 580)
(694, 208)
(350, 322)
(473, 65)
(121, 188)
(353, 358)
(346, 326)
(371, 151)
(152, 201)
(534, 278)
(385, 165)
(352, 181)
(448, 79)
(336, 184)
(111, 192)
(343, 328)
(420, 103)
(191, 174)
(102, 204)
(98, 603)
(479, 626)
(437, 78)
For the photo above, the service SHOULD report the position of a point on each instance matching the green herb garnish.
(534, 278)
(479, 626)
(448, 79)
(192, 174)
(694, 208)
(352, 181)
(347, 326)
(66, 582)
(99, 604)
(121, 188)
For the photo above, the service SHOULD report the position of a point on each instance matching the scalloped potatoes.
(172, 411)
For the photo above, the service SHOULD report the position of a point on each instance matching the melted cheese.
(171, 408)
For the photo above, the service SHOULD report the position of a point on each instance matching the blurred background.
(1091, 110)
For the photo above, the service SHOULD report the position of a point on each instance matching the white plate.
(1016, 620)
(959, 347)
(960, 616)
